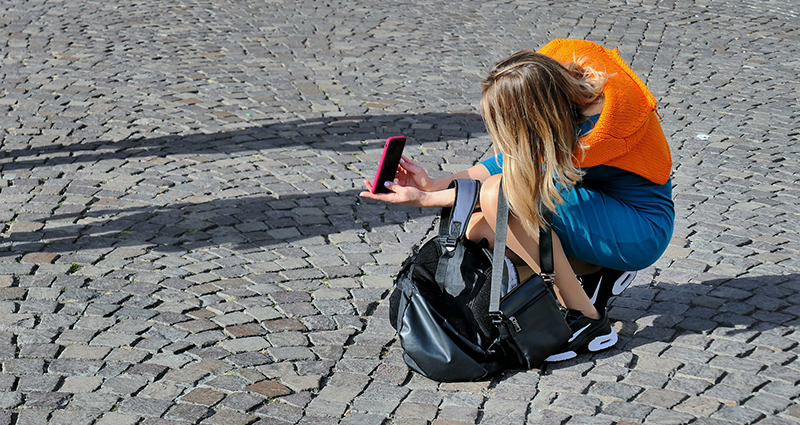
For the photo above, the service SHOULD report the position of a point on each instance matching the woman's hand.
(409, 195)
(414, 187)
(411, 186)
(399, 194)
(409, 174)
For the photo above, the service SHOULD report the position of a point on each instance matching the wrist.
(438, 199)
(441, 183)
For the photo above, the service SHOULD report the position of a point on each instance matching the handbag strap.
(499, 252)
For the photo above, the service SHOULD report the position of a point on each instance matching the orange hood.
(628, 134)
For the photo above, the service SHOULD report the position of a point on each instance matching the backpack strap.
(499, 252)
(452, 229)
(453, 225)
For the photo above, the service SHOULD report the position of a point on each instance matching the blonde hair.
(531, 105)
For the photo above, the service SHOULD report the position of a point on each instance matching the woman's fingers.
(403, 177)
(398, 194)
(409, 165)
(392, 186)
(414, 173)
(368, 193)
(388, 197)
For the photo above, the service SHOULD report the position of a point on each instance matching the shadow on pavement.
(739, 310)
(341, 134)
(276, 212)
(252, 221)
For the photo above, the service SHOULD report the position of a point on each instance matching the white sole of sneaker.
(622, 283)
(605, 341)
(599, 343)
(560, 357)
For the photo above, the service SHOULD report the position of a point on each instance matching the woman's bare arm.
(476, 172)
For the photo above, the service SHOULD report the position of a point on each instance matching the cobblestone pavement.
(182, 240)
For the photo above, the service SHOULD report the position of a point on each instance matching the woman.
(575, 131)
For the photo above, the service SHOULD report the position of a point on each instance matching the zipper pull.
(514, 322)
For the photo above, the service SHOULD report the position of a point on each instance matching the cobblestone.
(181, 239)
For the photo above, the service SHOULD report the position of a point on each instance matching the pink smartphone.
(387, 168)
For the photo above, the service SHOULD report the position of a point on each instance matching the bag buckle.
(549, 278)
(452, 237)
(514, 322)
(497, 318)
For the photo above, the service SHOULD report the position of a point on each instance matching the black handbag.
(451, 318)
(529, 318)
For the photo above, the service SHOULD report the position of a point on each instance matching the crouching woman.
(574, 131)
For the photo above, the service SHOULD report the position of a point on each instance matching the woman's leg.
(480, 229)
(582, 267)
(526, 246)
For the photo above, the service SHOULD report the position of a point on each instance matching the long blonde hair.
(531, 105)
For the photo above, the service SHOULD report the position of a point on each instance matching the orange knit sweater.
(628, 134)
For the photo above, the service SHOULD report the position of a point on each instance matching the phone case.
(387, 167)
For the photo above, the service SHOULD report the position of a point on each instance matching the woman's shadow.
(273, 212)
(337, 135)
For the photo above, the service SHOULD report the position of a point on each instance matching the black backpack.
(440, 306)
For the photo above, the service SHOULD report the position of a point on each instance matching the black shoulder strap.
(546, 244)
(499, 252)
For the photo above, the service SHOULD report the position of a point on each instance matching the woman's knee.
(488, 197)
(478, 229)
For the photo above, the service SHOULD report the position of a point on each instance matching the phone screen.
(387, 168)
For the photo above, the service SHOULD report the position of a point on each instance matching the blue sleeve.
(494, 165)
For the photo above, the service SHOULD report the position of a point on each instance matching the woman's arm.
(476, 172)
(414, 187)
(410, 195)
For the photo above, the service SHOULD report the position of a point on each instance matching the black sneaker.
(600, 286)
(588, 335)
